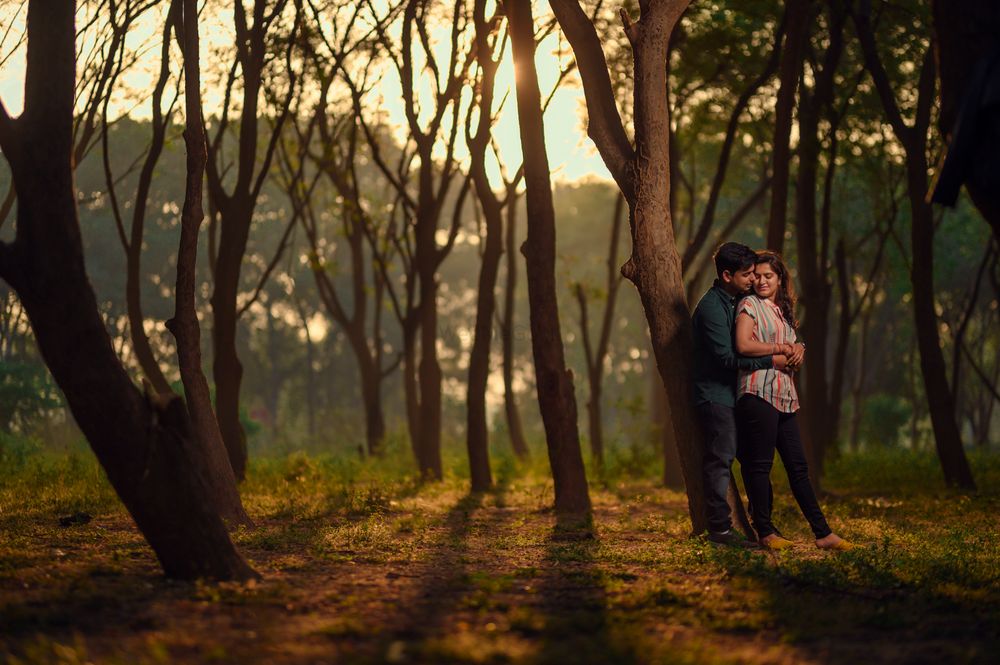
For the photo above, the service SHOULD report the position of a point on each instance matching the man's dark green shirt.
(716, 362)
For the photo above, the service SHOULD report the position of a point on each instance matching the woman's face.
(766, 281)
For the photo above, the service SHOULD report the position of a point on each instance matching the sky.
(572, 156)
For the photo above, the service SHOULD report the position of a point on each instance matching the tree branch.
(604, 124)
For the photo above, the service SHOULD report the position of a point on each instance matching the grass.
(363, 564)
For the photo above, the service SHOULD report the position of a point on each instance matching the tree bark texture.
(643, 174)
(554, 381)
(146, 446)
(184, 325)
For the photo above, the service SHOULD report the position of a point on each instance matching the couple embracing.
(746, 353)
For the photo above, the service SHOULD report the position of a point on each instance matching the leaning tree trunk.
(184, 325)
(147, 448)
(643, 174)
(554, 381)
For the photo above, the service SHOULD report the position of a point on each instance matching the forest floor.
(357, 569)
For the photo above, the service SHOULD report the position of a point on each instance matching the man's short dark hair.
(734, 257)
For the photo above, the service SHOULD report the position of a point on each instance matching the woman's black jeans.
(762, 429)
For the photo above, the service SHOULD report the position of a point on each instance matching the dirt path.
(444, 577)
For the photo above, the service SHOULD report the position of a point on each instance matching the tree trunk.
(227, 370)
(643, 174)
(410, 392)
(374, 415)
(184, 325)
(664, 434)
(596, 355)
(813, 248)
(940, 401)
(310, 377)
(514, 427)
(797, 13)
(235, 208)
(947, 438)
(477, 438)
(429, 370)
(554, 381)
(857, 393)
(595, 426)
(133, 249)
(151, 456)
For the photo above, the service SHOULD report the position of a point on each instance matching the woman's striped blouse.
(774, 386)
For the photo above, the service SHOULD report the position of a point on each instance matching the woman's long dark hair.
(785, 297)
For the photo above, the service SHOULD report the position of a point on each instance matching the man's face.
(741, 281)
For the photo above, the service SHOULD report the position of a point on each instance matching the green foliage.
(16, 450)
(883, 419)
(26, 393)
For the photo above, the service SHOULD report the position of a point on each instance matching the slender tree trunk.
(813, 248)
(555, 382)
(310, 379)
(429, 370)
(235, 208)
(477, 438)
(371, 395)
(184, 325)
(940, 401)
(664, 433)
(797, 13)
(857, 394)
(947, 438)
(151, 456)
(594, 420)
(411, 392)
(227, 370)
(597, 355)
(133, 249)
(374, 415)
(514, 426)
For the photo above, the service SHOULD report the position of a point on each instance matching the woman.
(767, 403)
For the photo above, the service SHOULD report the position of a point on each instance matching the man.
(716, 364)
